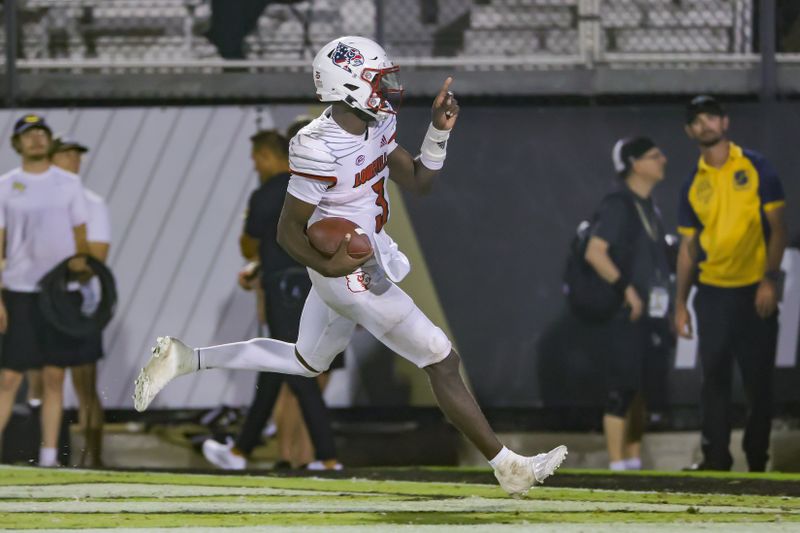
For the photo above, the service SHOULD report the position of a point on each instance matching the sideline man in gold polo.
(731, 218)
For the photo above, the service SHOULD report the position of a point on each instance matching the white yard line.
(455, 505)
(139, 490)
(494, 528)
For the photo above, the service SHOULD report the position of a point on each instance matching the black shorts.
(23, 342)
(31, 342)
(635, 355)
(65, 350)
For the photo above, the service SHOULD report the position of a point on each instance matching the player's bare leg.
(516, 474)
(460, 407)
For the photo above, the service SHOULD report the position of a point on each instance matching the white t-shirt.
(98, 225)
(38, 213)
(98, 229)
(345, 175)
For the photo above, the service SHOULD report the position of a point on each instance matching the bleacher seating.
(522, 27)
(550, 27)
(173, 29)
(667, 26)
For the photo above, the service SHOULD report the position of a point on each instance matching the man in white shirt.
(42, 222)
(339, 165)
(67, 154)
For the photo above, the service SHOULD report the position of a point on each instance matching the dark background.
(495, 232)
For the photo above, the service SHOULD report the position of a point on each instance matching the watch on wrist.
(773, 275)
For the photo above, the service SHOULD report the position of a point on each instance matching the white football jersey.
(346, 176)
(38, 213)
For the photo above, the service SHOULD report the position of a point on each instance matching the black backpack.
(589, 296)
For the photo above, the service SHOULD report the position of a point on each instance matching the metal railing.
(212, 36)
(506, 33)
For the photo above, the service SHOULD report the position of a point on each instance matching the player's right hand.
(683, 322)
(341, 264)
(445, 108)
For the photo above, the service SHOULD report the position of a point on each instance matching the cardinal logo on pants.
(358, 281)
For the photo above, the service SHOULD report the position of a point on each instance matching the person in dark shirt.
(285, 285)
(628, 250)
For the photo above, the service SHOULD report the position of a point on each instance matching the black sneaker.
(282, 465)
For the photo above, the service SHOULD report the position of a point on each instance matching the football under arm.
(292, 237)
(410, 173)
(597, 256)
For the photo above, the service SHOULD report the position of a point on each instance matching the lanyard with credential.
(658, 299)
(652, 232)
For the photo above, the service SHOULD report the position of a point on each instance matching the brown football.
(326, 234)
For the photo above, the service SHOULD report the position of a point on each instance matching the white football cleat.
(222, 455)
(171, 358)
(518, 474)
(545, 464)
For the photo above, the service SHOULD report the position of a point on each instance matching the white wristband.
(434, 148)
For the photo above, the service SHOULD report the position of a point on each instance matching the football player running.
(339, 165)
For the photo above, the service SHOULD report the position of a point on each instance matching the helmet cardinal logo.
(346, 56)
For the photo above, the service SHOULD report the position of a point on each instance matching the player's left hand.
(445, 107)
(766, 298)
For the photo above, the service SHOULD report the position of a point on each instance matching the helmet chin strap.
(349, 100)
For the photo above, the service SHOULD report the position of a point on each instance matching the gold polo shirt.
(726, 207)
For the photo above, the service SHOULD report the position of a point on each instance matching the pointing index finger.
(443, 91)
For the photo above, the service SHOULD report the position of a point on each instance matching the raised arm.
(417, 174)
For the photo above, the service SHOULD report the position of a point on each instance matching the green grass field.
(32, 498)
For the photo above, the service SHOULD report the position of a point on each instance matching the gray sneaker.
(171, 358)
(518, 474)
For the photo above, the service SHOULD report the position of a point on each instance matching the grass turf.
(454, 503)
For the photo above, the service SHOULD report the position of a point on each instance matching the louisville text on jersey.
(371, 170)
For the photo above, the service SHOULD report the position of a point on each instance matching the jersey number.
(381, 202)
